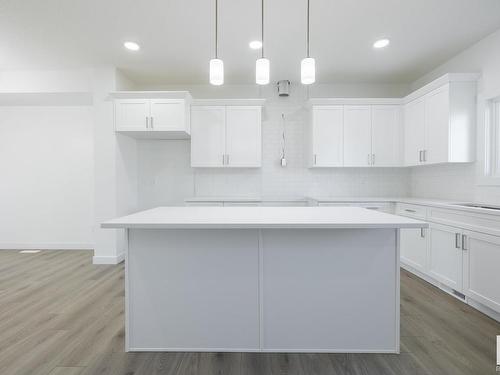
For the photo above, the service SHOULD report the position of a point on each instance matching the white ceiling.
(176, 36)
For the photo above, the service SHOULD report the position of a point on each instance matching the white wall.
(46, 169)
(463, 182)
(166, 178)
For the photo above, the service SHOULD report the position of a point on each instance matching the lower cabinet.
(445, 262)
(413, 248)
(482, 268)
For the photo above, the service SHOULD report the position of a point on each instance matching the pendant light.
(262, 64)
(216, 65)
(308, 65)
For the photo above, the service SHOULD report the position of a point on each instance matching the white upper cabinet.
(226, 136)
(414, 132)
(168, 114)
(131, 114)
(357, 136)
(243, 136)
(440, 123)
(327, 138)
(386, 136)
(150, 115)
(208, 139)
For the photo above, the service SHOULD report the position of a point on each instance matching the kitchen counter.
(313, 201)
(261, 217)
(263, 279)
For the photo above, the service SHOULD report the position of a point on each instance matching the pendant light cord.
(216, 29)
(262, 26)
(308, 28)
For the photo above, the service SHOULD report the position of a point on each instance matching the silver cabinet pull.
(408, 210)
(147, 122)
(420, 158)
(424, 154)
(422, 232)
(152, 118)
(223, 159)
(227, 159)
(464, 242)
(457, 240)
(315, 159)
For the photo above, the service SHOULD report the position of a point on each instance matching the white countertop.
(261, 217)
(441, 203)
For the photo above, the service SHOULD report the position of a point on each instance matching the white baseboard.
(46, 246)
(108, 259)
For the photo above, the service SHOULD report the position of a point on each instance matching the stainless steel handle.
(152, 118)
(147, 122)
(223, 159)
(373, 208)
(315, 159)
(464, 242)
(227, 159)
(420, 156)
(424, 153)
(457, 240)
(422, 232)
(408, 210)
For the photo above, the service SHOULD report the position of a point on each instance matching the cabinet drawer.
(411, 210)
(478, 222)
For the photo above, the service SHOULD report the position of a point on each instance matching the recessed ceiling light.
(381, 43)
(255, 44)
(132, 46)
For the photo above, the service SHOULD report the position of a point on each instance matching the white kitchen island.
(271, 279)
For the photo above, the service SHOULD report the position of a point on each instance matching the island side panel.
(193, 290)
(330, 290)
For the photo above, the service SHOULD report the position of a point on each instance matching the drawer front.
(411, 210)
(478, 222)
(378, 206)
(205, 204)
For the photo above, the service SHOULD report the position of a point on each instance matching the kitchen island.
(271, 279)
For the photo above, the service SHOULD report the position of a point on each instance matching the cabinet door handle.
(420, 156)
(464, 242)
(152, 118)
(315, 158)
(223, 159)
(147, 122)
(227, 159)
(408, 210)
(457, 240)
(424, 153)
(422, 232)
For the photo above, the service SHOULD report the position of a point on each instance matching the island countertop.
(261, 217)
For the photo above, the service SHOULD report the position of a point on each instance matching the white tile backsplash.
(166, 178)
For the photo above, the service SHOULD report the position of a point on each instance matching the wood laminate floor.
(61, 315)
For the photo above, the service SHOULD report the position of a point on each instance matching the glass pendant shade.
(308, 71)
(216, 72)
(262, 71)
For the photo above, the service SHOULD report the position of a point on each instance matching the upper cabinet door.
(414, 132)
(437, 126)
(357, 136)
(243, 136)
(207, 136)
(386, 135)
(328, 136)
(131, 114)
(168, 114)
